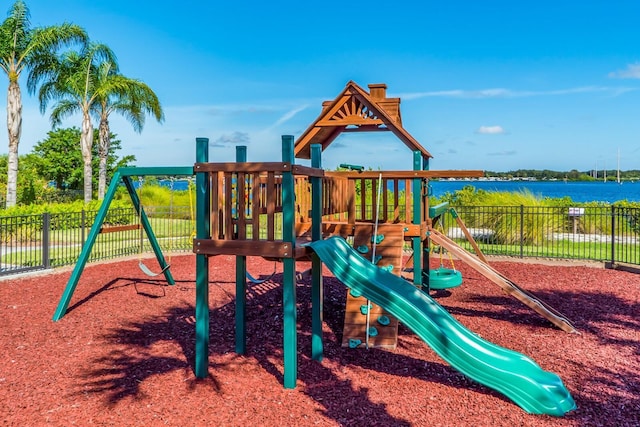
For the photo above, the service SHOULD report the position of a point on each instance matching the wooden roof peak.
(356, 110)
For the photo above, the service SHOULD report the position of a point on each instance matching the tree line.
(73, 75)
(572, 175)
(54, 170)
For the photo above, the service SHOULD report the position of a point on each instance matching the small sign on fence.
(576, 212)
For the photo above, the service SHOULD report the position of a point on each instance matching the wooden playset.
(277, 210)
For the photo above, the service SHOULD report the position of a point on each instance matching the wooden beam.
(243, 167)
(266, 248)
(350, 121)
(408, 174)
(116, 228)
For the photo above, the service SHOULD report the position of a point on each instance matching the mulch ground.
(123, 354)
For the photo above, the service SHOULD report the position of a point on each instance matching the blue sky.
(492, 85)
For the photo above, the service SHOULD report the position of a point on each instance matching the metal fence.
(36, 242)
(605, 234)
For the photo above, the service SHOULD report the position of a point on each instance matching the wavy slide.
(511, 373)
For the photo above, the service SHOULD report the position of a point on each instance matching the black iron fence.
(607, 234)
(36, 242)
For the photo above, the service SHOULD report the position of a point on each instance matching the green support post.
(86, 249)
(241, 279)
(425, 249)
(203, 231)
(317, 293)
(417, 218)
(289, 276)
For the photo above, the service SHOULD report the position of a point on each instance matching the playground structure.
(285, 211)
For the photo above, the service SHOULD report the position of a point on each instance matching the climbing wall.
(390, 240)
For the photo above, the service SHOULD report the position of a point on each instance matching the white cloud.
(509, 93)
(631, 72)
(286, 117)
(490, 130)
(232, 138)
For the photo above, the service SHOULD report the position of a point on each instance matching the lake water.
(577, 191)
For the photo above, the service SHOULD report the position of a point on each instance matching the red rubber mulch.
(123, 354)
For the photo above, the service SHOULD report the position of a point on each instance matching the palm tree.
(25, 48)
(132, 99)
(71, 82)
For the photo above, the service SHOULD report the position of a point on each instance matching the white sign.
(576, 211)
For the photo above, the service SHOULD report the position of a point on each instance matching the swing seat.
(148, 271)
(444, 278)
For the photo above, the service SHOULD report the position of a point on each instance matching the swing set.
(124, 176)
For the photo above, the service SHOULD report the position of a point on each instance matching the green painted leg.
(241, 304)
(86, 249)
(290, 324)
(202, 316)
(317, 299)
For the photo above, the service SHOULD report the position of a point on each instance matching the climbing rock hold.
(353, 343)
(384, 320)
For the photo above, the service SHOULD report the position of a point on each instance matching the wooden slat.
(396, 205)
(271, 205)
(219, 177)
(117, 228)
(216, 216)
(363, 198)
(228, 205)
(241, 225)
(408, 212)
(255, 206)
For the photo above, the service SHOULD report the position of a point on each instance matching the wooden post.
(289, 276)
(317, 294)
(203, 231)
(241, 269)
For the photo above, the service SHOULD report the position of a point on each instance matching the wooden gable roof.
(355, 110)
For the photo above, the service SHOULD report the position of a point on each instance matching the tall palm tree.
(25, 48)
(71, 82)
(128, 97)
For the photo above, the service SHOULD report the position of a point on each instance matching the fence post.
(521, 231)
(83, 230)
(46, 238)
(613, 235)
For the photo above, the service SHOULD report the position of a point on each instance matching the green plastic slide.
(511, 373)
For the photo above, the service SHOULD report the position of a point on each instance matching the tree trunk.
(103, 152)
(14, 127)
(86, 141)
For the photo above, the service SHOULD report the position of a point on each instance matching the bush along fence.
(608, 234)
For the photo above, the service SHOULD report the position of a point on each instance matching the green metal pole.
(425, 249)
(241, 279)
(417, 217)
(289, 267)
(203, 231)
(146, 225)
(86, 249)
(317, 294)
